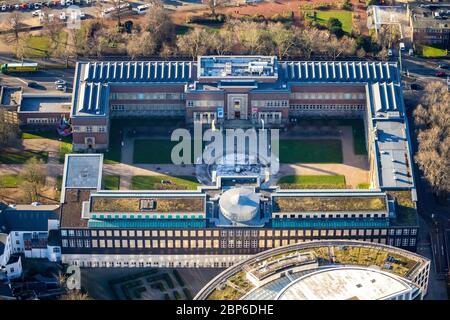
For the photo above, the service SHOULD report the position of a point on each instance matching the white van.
(142, 9)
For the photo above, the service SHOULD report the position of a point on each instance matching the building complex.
(324, 270)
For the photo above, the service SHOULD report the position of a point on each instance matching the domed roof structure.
(239, 204)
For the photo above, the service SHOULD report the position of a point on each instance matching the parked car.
(402, 46)
(82, 15)
(416, 86)
(60, 82)
(444, 66)
(389, 53)
(440, 74)
(17, 6)
(3, 7)
(62, 16)
(61, 87)
(32, 84)
(30, 6)
(36, 13)
(37, 5)
(411, 52)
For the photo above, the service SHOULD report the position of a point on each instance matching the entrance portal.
(237, 106)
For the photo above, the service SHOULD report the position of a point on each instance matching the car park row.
(23, 6)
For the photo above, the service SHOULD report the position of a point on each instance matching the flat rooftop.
(39, 103)
(346, 283)
(393, 155)
(83, 171)
(435, 15)
(238, 67)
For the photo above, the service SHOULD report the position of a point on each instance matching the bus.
(19, 67)
(142, 9)
(123, 8)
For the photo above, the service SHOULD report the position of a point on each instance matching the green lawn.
(359, 135)
(9, 181)
(313, 182)
(311, 151)
(432, 52)
(154, 183)
(111, 182)
(64, 148)
(323, 16)
(39, 46)
(363, 186)
(154, 151)
(20, 157)
(52, 135)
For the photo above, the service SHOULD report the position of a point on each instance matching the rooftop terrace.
(237, 67)
(46, 103)
(328, 203)
(150, 205)
(232, 284)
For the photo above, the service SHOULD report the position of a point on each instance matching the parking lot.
(32, 13)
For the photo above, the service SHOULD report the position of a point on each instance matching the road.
(439, 250)
(45, 79)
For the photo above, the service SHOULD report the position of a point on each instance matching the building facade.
(24, 232)
(223, 89)
(216, 226)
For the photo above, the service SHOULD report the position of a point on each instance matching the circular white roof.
(239, 204)
(346, 283)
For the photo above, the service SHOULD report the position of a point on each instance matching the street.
(44, 78)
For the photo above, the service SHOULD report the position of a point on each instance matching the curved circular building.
(239, 204)
(324, 270)
(349, 283)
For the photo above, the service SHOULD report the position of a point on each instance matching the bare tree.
(286, 40)
(13, 22)
(194, 43)
(157, 21)
(432, 118)
(249, 35)
(52, 27)
(344, 46)
(223, 42)
(142, 44)
(33, 177)
(213, 5)
(117, 5)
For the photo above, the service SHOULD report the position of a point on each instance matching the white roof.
(346, 283)
(239, 204)
(82, 171)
